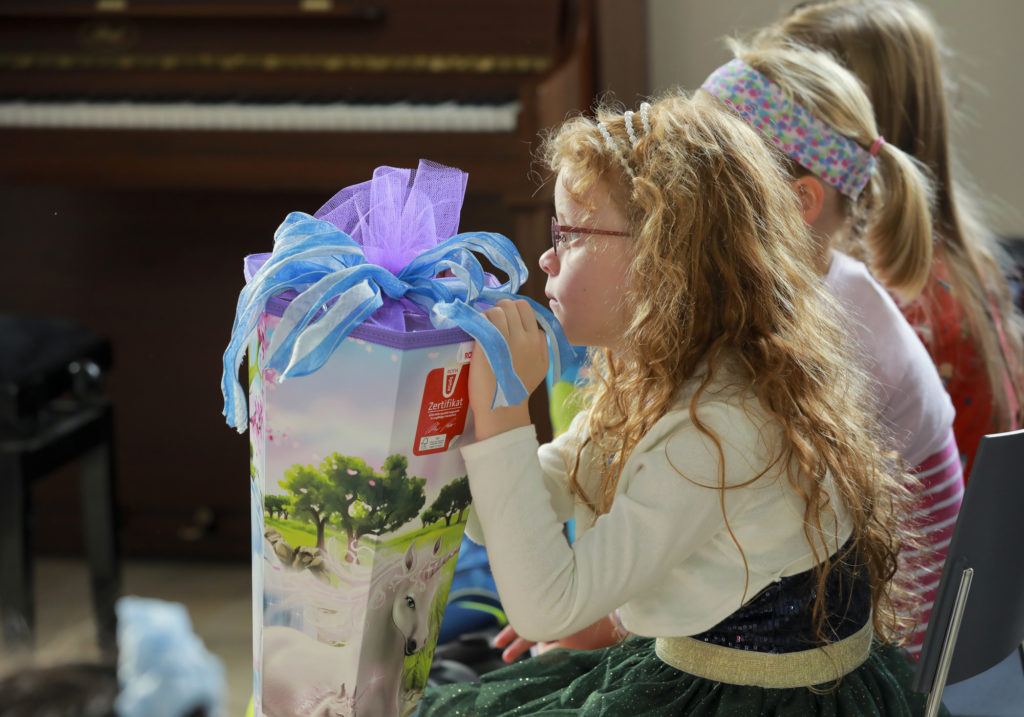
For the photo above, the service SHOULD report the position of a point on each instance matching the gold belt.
(744, 667)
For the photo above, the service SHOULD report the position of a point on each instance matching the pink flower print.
(269, 375)
(351, 471)
(261, 331)
(802, 131)
(256, 417)
(373, 482)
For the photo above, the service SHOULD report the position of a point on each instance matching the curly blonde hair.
(894, 48)
(720, 270)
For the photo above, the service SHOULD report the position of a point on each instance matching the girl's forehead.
(577, 199)
(569, 203)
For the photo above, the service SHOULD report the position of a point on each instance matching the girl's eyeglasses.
(560, 233)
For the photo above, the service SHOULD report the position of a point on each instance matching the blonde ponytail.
(899, 238)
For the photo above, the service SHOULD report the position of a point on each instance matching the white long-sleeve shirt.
(913, 403)
(663, 555)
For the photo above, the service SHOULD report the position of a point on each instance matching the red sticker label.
(443, 410)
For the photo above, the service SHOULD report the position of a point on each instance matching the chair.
(51, 413)
(977, 622)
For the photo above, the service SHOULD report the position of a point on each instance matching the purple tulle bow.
(395, 217)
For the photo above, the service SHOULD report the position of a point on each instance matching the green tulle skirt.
(630, 679)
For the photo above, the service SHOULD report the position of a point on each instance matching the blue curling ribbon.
(338, 290)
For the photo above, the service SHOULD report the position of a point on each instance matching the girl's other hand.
(528, 346)
(602, 633)
(514, 645)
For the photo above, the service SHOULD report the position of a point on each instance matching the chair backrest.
(989, 537)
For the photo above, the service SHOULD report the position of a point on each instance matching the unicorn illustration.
(398, 623)
(304, 676)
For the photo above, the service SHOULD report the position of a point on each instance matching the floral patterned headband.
(811, 142)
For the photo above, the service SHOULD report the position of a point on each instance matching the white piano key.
(340, 117)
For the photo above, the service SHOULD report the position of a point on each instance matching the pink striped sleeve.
(940, 490)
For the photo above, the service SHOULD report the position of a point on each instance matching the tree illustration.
(277, 505)
(395, 498)
(352, 480)
(430, 516)
(346, 491)
(453, 500)
(314, 497)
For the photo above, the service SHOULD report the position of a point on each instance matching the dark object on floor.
(977, 623)
(475, 650)
(79, 689)
(52, 412)
(446, 672)
(71, 690)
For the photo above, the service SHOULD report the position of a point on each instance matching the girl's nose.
(549, 262)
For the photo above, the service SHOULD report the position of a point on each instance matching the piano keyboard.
(399, 117)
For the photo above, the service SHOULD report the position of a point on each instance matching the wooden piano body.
(147, 146)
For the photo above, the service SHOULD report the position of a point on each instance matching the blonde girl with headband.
(964, 314)
(806, 105)
(730, 496)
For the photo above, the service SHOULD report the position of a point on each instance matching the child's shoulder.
(851, 281)
(727, 408)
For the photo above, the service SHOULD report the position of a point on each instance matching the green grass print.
(297, 533)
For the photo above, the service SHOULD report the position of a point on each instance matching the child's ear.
(811, 195)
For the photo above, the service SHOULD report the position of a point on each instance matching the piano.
(146, 146)
(279, 95)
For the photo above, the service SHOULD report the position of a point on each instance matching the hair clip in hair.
(876, 145)
(645, 122)
(645, 119)
(613, 147)
(627, 118)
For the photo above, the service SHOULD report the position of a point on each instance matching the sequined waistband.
(762, 669)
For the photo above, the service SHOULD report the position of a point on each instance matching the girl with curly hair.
(730, 495)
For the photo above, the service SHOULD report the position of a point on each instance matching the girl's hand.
(602, 633)
(514, 645)
(528, 346)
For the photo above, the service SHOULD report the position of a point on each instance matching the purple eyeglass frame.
(558, 229)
